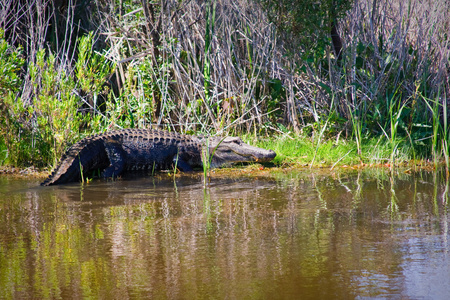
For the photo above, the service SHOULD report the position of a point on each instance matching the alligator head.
(229, 150)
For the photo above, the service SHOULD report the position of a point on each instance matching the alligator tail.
(78, 161)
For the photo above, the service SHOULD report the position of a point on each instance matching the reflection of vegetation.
(231, 239)
(393, 206)
(445, 193)
(435, 195)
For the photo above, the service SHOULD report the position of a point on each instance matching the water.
(295, 235)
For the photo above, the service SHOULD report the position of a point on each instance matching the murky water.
(300, 235)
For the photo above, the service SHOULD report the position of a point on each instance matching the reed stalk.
(319, 138)
(433, 105)
(207, 158)
(81, 169)
(357, 131)
(445, 135)
(206, 162)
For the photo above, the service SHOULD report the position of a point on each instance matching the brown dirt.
(30, 172)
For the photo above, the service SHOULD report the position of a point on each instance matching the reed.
(446, 135)
(81, 169)
(395, 114)
(209, 33)
(206, 162)
(207, 158)
(321, 133)
(357, 131)
(433, 105)
(175, 167)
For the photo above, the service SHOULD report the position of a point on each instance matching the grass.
(301, 150)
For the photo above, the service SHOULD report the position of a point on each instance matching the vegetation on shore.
(374, 90)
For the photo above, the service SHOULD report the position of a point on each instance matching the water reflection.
(368, 234)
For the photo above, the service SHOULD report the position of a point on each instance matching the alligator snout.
(265, 157)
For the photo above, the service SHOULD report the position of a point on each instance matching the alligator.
(112, 153)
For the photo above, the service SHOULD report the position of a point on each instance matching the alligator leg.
(116, 156)
(182, 165)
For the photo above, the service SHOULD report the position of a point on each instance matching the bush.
(37, 133)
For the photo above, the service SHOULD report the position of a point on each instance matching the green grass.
(300, 150)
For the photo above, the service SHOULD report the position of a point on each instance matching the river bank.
(256, 169)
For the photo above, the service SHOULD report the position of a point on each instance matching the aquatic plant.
(207, 157)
